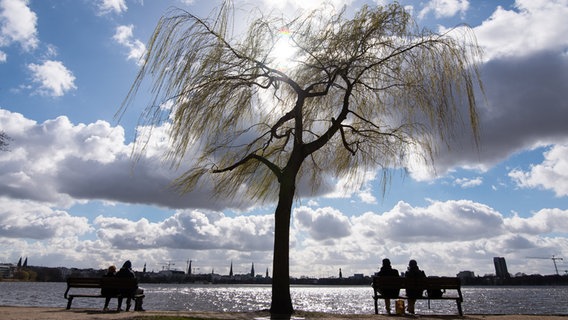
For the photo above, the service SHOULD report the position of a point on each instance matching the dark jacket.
(109, 292)
(414, 272)
(388, 271)
(126, 272)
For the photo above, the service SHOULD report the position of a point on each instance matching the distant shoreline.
(45, 313)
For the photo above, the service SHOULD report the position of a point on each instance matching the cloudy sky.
(71, 194)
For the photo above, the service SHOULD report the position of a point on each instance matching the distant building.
(6, 270)
(466, 274)
(501, 268)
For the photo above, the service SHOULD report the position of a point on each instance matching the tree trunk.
(281, 300)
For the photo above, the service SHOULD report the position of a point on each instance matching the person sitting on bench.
(388, 271)
(107, 292)
(126, 272)
(413, 272)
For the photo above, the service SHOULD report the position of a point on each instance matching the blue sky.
(70, 194)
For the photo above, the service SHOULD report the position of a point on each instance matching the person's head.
(112, 269)
(386, 263)
(412, 264)
(127, 265)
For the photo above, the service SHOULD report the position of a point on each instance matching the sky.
(72, 195)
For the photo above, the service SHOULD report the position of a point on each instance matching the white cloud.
(305, 5)
(542, 222)
(533, 25)
(124, 36)
(30, 220)
(322, 223)
(445, 8)
(445, 237)
(53, 77)
(92, 161)
(469, 183)
(192, 230)
(3, 56)
(116, 6)
(551, 174)
(18, 24)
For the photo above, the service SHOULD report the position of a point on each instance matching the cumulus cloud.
(445, 8)
(29, 220)
(542, 222)
(526, 88)
(18, 24)
(322, 223)
(112, 6)
(523, 109)
(61, 163)
(476, 232)
(551, 174)
(469, 183)
(192, 230)
(531, 26)
(136, 48)
(53, 78)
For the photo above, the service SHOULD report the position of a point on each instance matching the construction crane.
(553, 261)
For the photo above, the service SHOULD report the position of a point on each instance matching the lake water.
(332, 299)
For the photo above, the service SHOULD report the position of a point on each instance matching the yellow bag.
(399, 306)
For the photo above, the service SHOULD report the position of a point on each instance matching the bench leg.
(69, 301)
(459, 308)
(376, 306)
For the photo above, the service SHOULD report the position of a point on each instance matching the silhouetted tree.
(357, 94)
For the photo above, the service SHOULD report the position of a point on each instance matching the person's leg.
(388, 305)
(118, 308)
(128, 302)
(107, 301)
(411, 303)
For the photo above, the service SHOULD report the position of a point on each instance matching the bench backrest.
(75, 282)
(104, 282)
(115, 284)
(418, 283)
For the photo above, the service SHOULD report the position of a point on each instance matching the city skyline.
(72, 195)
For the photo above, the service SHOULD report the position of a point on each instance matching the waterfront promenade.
(46, 313)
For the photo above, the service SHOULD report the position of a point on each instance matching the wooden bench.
(113, 284)
(430, 283)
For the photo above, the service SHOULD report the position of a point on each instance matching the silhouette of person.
(413, 272)
(108, 293)
(126, 272)
(387, 271)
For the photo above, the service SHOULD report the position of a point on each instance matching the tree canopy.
(356, 93)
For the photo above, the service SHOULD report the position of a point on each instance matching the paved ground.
(41, 313)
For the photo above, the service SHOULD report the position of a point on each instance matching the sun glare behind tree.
(284, 50)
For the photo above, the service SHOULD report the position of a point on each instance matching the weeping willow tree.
(321, 94)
